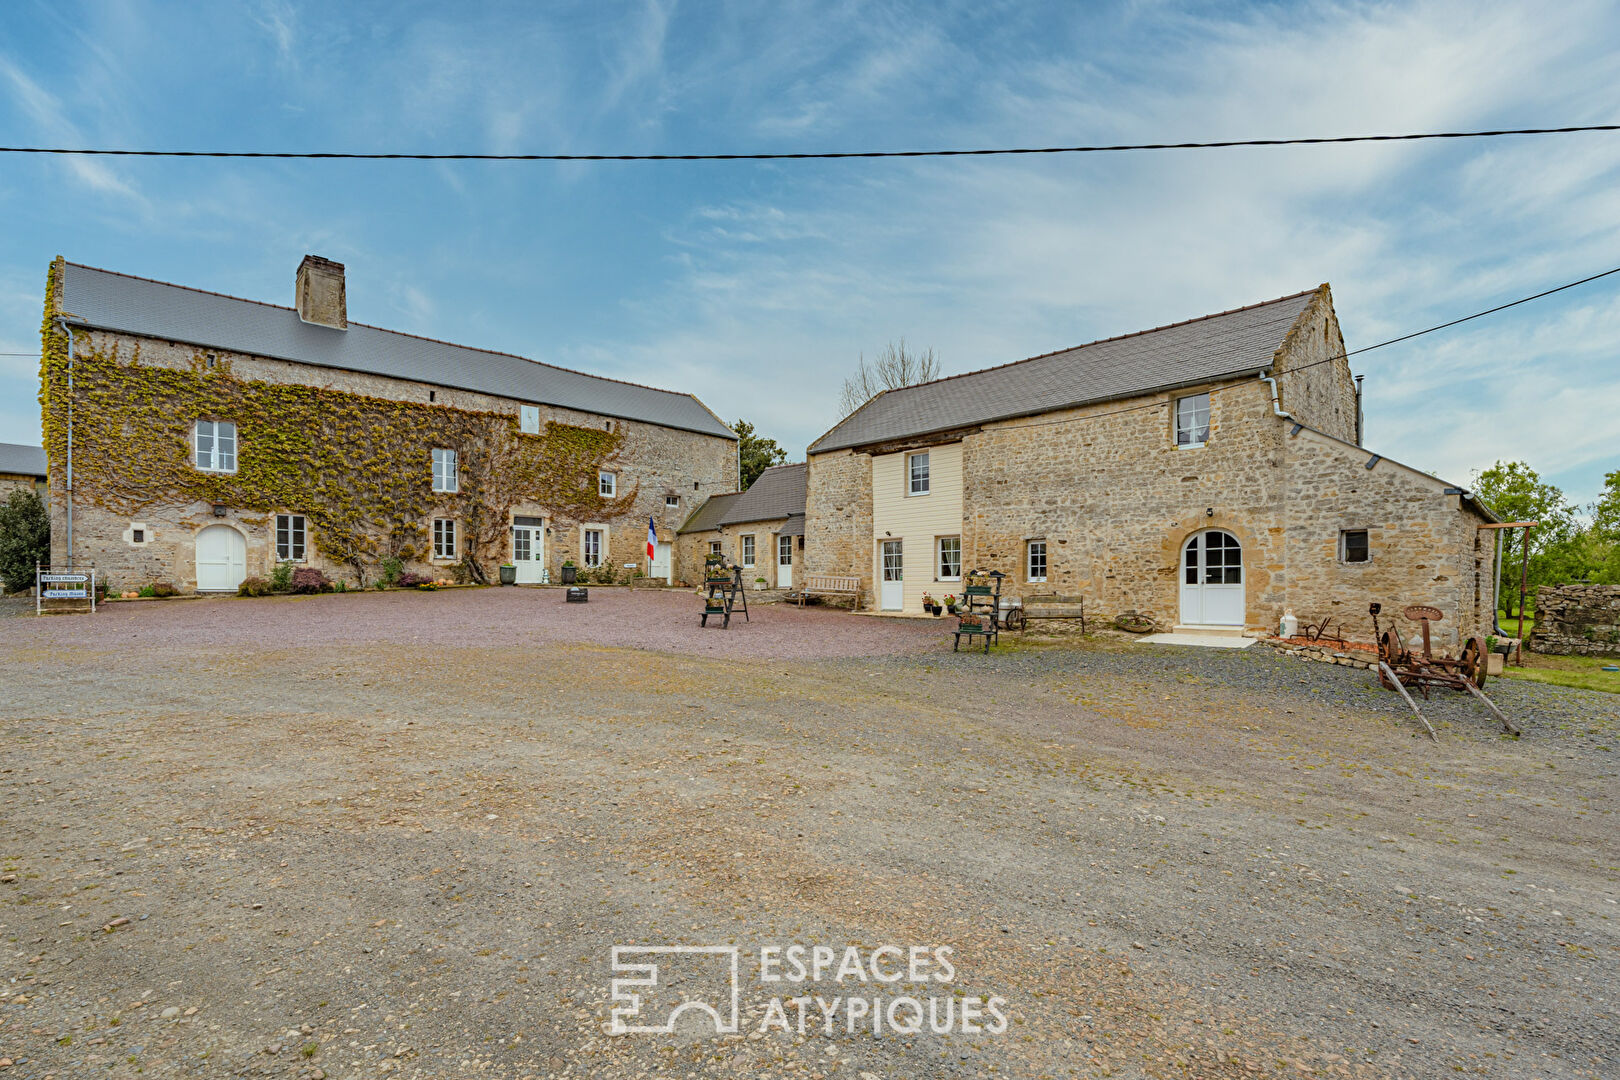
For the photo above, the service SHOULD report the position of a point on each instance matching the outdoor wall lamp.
(1210, 512)
(219, 509)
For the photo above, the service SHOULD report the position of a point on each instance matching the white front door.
(1212, 580)
(784, 562)
(661, 563)
(221, 559)
(529, 553)
(892, 590)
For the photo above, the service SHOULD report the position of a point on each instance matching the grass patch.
(1580, 672)
(1510, 623)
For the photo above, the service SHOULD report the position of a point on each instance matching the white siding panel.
(918, 519)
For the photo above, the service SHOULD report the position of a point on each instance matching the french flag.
(652, 539)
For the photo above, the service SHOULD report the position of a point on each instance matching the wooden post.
(1396, 682)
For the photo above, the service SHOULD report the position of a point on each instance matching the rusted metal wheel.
(1472, 663)
(1013, 619)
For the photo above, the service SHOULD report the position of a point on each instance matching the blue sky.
(757, 286)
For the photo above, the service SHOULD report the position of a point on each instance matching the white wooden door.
(529, 553)
(1212, 580)
(784, 562)
(221, 559)
(662, 562)
(892, 588)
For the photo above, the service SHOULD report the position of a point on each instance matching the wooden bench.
(1047, 606)
(829, 585)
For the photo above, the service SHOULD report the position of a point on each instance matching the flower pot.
(1493, 663)
(570, 574)
(508, 575)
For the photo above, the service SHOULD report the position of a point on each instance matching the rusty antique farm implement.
(1399, 668)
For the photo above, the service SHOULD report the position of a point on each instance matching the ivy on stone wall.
(359, 468)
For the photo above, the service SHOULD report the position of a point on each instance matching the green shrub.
(281, 576)
(310, 580)
(254, 586)
(25, 539)
(163, 588)
(392, 568)
(146, 590)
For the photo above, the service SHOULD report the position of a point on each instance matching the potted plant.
(508, 574)
(570, 572)
(759, 583)
(950, 603)
(929, 605)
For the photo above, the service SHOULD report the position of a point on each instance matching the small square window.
(289, 538)
(671, 501)
(606, 484)
(444, 538)
(1353, 546)
(446, 474)
(1192, 420)
(1035, 564)
(917, 473)
(138, 535)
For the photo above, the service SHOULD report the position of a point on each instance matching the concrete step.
(1208, 631)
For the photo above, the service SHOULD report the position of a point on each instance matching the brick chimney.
(320, 293)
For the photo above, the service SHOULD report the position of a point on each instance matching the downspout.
(69, 331)
(1359, 414)
(1276, 401)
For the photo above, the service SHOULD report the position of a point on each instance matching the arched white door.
(221, 559)
(1212, 580)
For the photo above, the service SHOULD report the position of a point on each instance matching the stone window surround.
(141, 527)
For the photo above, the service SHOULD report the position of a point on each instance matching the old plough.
(1399, 668)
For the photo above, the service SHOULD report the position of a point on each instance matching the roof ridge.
(402, 333)
(1102, 341)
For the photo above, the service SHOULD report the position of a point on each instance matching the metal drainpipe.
(1276, 402)
(1496, 584)
(69, 331)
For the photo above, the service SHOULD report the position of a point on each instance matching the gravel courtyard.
(398, 835)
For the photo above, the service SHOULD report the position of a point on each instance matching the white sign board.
(63, 585)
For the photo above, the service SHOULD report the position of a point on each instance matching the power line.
(1353, 352)
(818, 156)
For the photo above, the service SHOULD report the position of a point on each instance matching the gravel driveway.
(399, 835)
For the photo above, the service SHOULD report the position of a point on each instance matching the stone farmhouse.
(197, 438)
(22, 467)
(760, 530)
(1209, 473)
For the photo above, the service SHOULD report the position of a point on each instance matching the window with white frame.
(1035, 562)
(1354, 546)
(591, 547)
(444, 538)
(748, 551)
(671, 502)
(446, 476)
(606, 484)
(289, 538)
(216, 446)
(1192, 420)
(948, 561)
(917, 473)
(716, 548)
(529, 419)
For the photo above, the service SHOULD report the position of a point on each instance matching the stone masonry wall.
(694, 546)
(1578, 620)
(1314, 382)
(654, 460)
(838, 517)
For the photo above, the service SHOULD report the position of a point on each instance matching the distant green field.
(1580, 672)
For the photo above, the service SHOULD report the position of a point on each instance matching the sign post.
(69, 584)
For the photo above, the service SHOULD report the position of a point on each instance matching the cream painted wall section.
(917, 520)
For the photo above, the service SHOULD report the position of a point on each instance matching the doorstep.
(1202, 639)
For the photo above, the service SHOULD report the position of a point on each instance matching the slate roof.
(778, 492)
(708, 515)
(105, 300)
(1217, 346)
(20, 460)
(794, 526)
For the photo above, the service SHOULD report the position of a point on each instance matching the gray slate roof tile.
(1212, 347)
(778, 492)
(109, 301)
(708, 515)
(19, 459)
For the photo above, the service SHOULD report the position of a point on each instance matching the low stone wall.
(1577, 620)
(1324, 654)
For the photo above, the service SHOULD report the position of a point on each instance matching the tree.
(1518, 493)
(756, 453)
(895, 366)
(25, 539)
